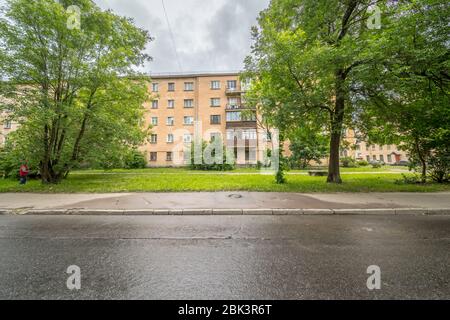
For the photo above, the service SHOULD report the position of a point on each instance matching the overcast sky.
(210, 35)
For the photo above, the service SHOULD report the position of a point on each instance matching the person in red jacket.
(23, 173)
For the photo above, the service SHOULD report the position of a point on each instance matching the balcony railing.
(233, 91)
(238, 107)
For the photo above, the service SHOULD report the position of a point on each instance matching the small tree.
(212, 156)
(307, 144)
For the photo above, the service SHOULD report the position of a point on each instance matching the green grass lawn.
(180, 180)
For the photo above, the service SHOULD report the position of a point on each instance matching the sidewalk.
(225, 203)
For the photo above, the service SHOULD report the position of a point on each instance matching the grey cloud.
(210, 35)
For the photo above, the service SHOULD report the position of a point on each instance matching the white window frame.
(190, 123)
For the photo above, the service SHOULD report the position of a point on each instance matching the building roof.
(170, 75)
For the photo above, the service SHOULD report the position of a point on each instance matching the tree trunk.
(337, 120)
(422, 158)
(334, 173)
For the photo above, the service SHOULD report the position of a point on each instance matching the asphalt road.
(254, 257)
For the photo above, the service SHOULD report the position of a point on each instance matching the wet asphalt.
(205, 257)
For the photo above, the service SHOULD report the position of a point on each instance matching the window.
(170, 138)
(187, 155)
(381, 148)
(215, 85)
(249, 117)
(171, 87)
(188, 121)
(233, 102)
(368, 158)
(358, 147)
(187, 138)
(7, 125)
(269, 136)
(389, 158)
(171, 104)
(374, 158)
(153, 156)
(215, 119)
(188, 86)
(154, 139)
(249, 134)
(170, 121)
(233, 116)
(155, 104)
(188, 103)
(215, 136)
(367, 147)
(169, 156)
(215, 102)
(154, 121)
(381, 158)
(155, 87)
(231, 84)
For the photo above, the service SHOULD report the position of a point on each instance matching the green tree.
(404, 99)
(306, 56)
(307, 144)
(73, 91)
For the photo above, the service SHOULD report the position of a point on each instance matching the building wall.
(359, 149)
(5, 129)
(201, 113)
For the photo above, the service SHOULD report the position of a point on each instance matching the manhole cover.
(235, 196)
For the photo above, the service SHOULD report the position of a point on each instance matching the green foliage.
(73, 92)
(135, 160)
(348, 162)
(306, 145)
(211, 157)
(362, 163)
(306, 61)
(403, 98)
(439, 166)
(409, 179)
(376, 165)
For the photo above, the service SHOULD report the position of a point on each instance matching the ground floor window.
(153, 156)
(169, 156)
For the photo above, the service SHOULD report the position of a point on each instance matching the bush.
(217, 164)
(376, 165)
(348, 162)
(439, 166)
(135, 160)
(362, 163)
(415, 179)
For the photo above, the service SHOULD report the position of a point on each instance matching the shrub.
(363, 163)
(216, 165)
(439, 166)
(376, 165)
(135, 160)
(415, 179)
(348, 162)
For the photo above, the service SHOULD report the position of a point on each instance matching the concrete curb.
(227, 212)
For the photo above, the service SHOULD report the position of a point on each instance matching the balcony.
(242, 124)
(232, 107)
(233, 92)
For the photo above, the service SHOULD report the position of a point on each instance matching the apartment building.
(359, 149)
(210, 106)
